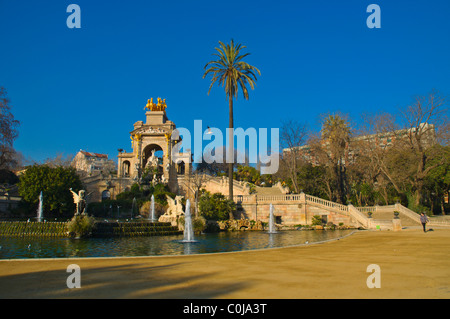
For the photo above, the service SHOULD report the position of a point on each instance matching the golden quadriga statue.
(160, 106)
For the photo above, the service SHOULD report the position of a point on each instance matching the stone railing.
(326, 203)
(359, 216)
(308, 199)
(266, 198)
(349, 210)
(436, 221)
(406, 211)
(440, 220)
(367, 209)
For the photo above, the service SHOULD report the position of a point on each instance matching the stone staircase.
(134, 229)
(388, 216)
(267, 191)
(220, 184)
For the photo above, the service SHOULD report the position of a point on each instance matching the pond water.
(19, 248)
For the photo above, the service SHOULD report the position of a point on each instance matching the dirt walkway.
(413, 265)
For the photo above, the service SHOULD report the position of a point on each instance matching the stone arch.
(126, 168)
(181, 168)
(147, 153)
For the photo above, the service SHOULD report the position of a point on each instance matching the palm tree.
(232, 73)
(337, 132)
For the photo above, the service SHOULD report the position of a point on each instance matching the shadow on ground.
(130, 280)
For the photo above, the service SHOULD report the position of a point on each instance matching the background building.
(88, 163)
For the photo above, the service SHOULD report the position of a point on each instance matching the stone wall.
(289, 210)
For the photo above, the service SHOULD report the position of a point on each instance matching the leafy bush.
(215, 206)
(144, 210)
(81, 226)
(198, 223)
(316, 220)
(331, 225)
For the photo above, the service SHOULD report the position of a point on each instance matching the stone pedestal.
(396, 224)
(370, 224)
(155, 117)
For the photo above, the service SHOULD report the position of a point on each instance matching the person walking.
(424, 220)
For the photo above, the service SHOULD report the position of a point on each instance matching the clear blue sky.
(75, 89)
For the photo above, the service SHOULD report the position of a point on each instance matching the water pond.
(31, 247)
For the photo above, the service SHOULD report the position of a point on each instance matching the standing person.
(424, 220)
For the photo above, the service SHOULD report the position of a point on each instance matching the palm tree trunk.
(231, 146)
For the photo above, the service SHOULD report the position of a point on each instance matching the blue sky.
(84, 88)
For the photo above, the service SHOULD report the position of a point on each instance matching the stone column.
(302, 206)
(396, 224)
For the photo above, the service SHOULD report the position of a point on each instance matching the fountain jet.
(40, 208)
(133, 207)
(188, 230)
(152, 210)
(272, 229)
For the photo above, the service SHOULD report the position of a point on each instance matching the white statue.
(174, 211)
(79, 200)
(154, 159)
(154, 180)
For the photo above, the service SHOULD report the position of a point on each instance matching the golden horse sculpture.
(161, 106)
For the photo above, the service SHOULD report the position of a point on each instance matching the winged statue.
(80, 200)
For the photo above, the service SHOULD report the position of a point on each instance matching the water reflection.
(12, 248)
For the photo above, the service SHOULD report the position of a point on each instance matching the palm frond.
(229, 71)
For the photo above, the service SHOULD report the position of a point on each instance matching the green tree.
(231, 72)
(55, 184)
(313, 180)
(215, 206)
(331, 149)
(438, 178)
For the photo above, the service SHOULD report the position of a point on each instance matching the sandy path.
(413, 265)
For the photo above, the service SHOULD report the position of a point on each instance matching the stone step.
(130, 229)
(405, 220)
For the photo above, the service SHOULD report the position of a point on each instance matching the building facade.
(89, 163)
(149, 161)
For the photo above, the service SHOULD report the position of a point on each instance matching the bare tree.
(60, 160)
(425, 123)
(402, 148)
(8, 131)
(292, 137)
(373, 146)
(196, 182)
